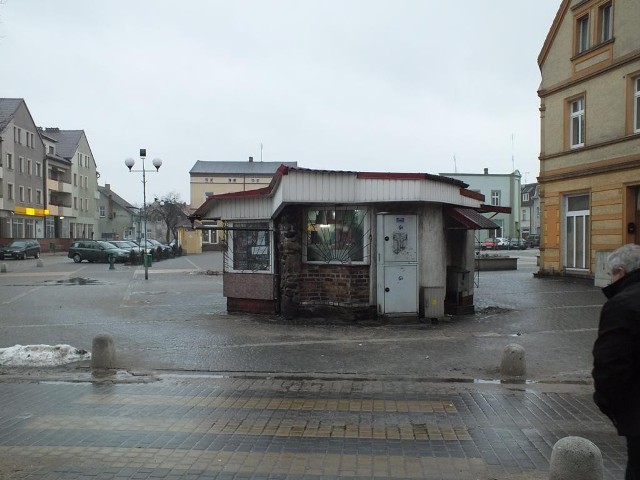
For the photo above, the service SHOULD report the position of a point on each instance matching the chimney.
(107, 187)
(251, 159)
(486, 171)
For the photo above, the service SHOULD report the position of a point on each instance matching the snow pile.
(41, 355)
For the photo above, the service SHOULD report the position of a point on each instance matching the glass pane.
(637, 126)
(570, 242)
(580, 234)
(578, 203)
(251, 246)
(335, 235)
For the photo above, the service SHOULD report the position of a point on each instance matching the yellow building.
(590, 134)
(209, 178)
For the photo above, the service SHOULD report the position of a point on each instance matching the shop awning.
(469, 219)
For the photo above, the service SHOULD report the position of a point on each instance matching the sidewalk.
(451, 418)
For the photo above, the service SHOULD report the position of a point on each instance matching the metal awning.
(470, 219)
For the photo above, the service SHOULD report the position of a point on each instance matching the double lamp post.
(130, 162)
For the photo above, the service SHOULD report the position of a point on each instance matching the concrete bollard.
(575, 458)
(39, 264)
(103, 355)
(513, 362)
(3, 268)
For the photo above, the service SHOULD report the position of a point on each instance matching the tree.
(171, 211)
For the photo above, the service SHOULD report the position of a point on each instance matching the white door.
(400, 292)
(397, 267)
(400, 239)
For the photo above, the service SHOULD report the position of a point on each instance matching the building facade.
(590, 134)
(207, 178)
(499, 190)
(22, 173)
(117, 218)
(530, 210)
(72, 184)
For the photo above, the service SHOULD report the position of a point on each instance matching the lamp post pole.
(130, 162)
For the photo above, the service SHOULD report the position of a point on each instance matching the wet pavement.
(202, 394)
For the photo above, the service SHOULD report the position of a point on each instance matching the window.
(38, 169)
(75, 203)
(29, 169)
(21, 193)
(577, 231)
(29, 195)
(75, 179)
(102, 211)
(636, 105)
(51, 150)
(606, 22)
(20, 164)
(525, 197)
(10, 191)
(577, 123)
(10, 161)
(524, 214)
(495, 197)
(337, 235)
(582, 39)
(250, 247)
(39, 197)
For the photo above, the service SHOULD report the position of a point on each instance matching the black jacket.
(616, 355)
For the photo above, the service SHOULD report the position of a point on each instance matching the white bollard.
(513, 362)
(575, 458)
(103, 355)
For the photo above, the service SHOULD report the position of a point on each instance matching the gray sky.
(367, 85)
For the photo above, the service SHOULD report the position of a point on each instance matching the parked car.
(489, 244)
(130, 246)
(533, 240)
(96, 251)
(21, 249)
(517, 244)
(157, 249)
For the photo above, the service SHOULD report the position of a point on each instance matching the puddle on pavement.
(77, 281)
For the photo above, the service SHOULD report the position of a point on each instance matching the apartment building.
(22, 192)
(590, 134)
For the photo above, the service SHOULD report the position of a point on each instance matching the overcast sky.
(367, 85)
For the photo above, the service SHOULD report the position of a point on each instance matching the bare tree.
(170, 210)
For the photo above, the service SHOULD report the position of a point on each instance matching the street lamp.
(130, 162)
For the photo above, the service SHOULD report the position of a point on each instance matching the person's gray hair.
(627, 257)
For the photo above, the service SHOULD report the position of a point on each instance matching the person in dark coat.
(616, 352)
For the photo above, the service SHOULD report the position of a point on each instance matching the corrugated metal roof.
(470, 219)
(8, 107)
(203, 167)
(306, 186)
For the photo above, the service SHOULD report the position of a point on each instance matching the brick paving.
(204, 427)
(402, 401)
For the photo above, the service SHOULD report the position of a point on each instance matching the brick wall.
(334, 285)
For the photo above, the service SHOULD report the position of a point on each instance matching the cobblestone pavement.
(158, 424)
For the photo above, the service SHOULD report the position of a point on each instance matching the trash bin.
(148, 260)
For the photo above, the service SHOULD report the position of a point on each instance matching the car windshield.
(18, 243)
(107, 245)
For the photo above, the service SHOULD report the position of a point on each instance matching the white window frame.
(496, 197)
(606, 22)
(636, 105)
(582, 24)
(21, 194)
(576, 230)
(577, 122)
